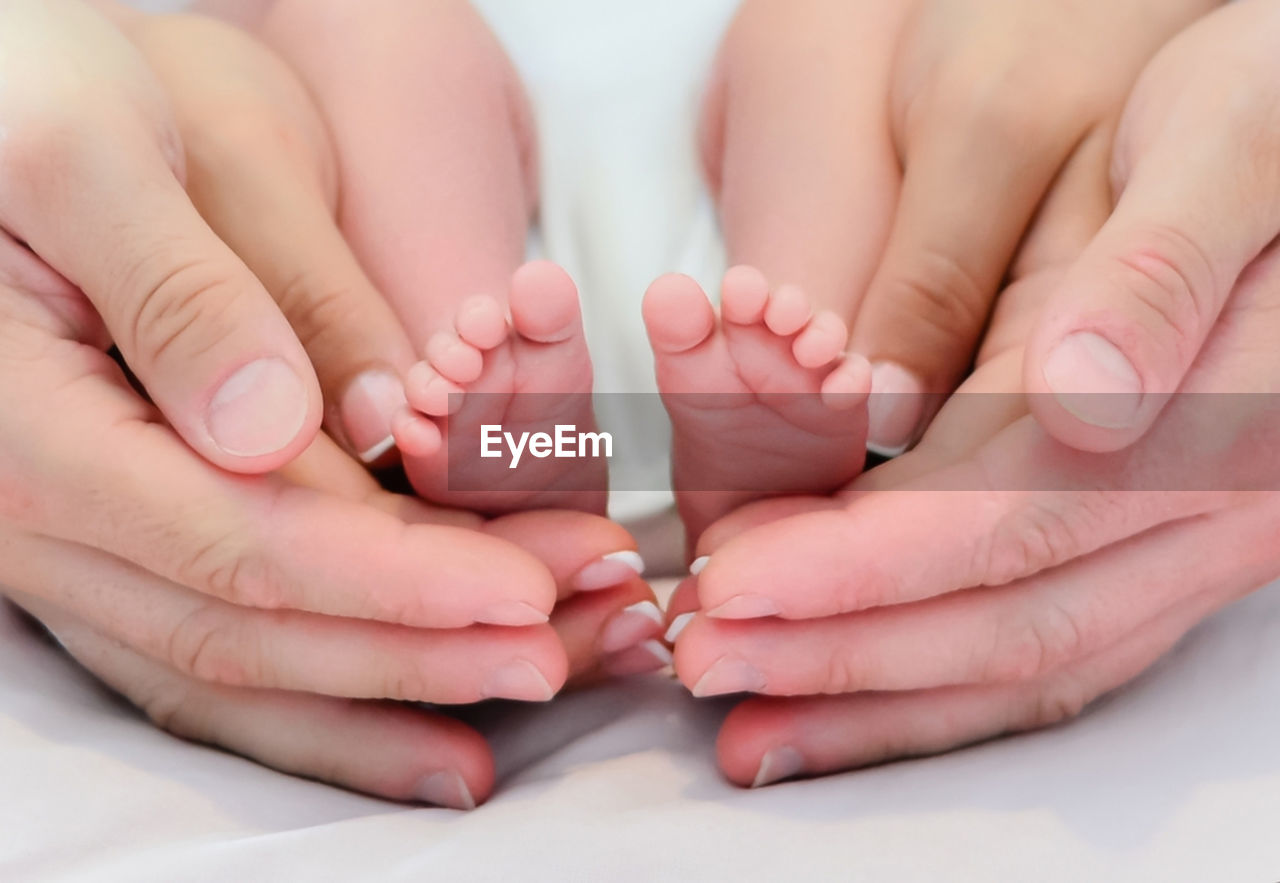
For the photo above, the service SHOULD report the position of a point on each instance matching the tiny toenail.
(699, 564)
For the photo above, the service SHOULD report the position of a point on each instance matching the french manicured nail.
(640, 659)
(729, 675)
(745, 607)
(630, 626)
(699, 565)
(783, 762)
(368, 407)
(519, 679)
(894, 410)
(612, 570)
(445, 788)
(512, 613)
(1094, 381)
(258, 410)
(677, 626)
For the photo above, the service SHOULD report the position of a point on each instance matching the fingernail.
(745, 607)
(640, 659)
(512, 613)
(517, 680)
(612, 570)
(1094, 381)
(783, 762)
(258, 410)
(699, 565)
(677, 626)
(368, 407)
(630, 626)
(729, 675)
(445, 788)
(894, 410)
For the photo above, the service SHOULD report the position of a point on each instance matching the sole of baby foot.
(762, 398)
(494, 375)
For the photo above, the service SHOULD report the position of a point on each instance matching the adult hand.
(228, 605)
(1199, 185)
(992, 580)
(908, 214)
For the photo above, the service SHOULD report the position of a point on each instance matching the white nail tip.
(699, 565)
(375, 453)
(629, 558)
(677, 626)
(647, 609)
(779, 763)
(658, 651)
(887, 453)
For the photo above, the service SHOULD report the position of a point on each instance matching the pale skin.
(234, 600)
(815, 730)
(1033, 602)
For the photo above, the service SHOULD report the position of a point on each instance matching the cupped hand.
(1198, 179)
(240, 610)
(889, 158)
(993, 580)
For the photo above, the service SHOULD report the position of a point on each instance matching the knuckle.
(166, 704)
(1173, 279)
(210, 646)
(317, 308)
(1033, 643)
(939, 295)
(1059, 700)
(186, 307)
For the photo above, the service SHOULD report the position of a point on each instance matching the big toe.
(677, 314)
(544, 303)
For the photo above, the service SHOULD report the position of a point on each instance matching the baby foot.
(530, 373)
(762, 402)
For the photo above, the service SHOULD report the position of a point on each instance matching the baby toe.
(453, 358)
(677, 314)
(821, 342)
(544, 303)
(849, 385)
(788, 311)
(481, 322)
(743, 296)
(430, 393)
(415, 435)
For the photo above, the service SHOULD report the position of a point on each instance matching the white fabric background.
(1176, 778)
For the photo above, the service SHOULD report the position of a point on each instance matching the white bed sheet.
(1176, 778)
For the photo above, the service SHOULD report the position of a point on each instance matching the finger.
(1072, 213)
(421, 757)
(211, 640)
(583, 552)
(797, 145)
(998, 516)
(93, 184)
(764, 741)
(261, 172)
(612, 633)
(1020, 632)
(1129, 319)
(966, 201)
(259, 543)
